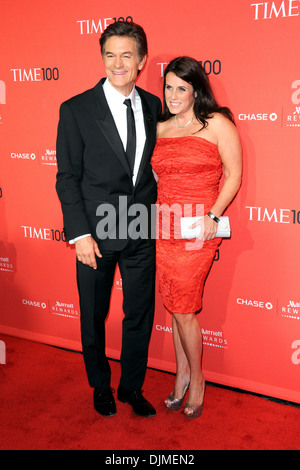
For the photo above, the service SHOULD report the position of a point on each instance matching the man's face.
(122, 62)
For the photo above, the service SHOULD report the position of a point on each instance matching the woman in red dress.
(196, 142)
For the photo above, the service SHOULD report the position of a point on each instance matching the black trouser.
(137, 268)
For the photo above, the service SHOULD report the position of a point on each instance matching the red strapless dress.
(189, 170)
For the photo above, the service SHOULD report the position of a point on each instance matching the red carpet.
(46, 404)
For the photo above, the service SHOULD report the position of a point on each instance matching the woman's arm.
(230, 150)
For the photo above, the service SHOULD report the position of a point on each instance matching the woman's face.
(179, 95)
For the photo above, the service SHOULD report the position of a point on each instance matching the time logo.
(35, 74)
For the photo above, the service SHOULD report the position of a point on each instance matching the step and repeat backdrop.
(250, 50)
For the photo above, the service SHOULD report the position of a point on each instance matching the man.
(103, 158)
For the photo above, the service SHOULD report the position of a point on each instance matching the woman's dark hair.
(129, 29)
(191, 71)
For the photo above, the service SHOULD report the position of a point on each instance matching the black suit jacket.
(92, 164)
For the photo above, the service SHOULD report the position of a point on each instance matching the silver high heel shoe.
(196, 409)
(175, 403)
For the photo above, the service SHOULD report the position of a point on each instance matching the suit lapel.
(150, 129)
(106, 123)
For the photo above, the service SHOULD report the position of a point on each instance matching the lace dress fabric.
(189, 170)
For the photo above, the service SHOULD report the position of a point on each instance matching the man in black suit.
(104, 147)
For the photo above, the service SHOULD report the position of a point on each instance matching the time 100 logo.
(36, 74)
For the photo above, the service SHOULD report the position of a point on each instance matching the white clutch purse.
(186, 232)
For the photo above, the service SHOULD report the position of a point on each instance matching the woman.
(195, 139)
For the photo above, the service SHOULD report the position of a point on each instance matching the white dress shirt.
(115, 101)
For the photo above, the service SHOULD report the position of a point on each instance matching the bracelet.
(212, 216)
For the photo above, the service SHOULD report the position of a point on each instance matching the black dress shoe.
(140, 405)
(104, 401)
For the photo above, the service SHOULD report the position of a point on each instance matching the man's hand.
(87, 250)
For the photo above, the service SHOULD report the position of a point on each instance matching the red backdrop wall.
(49, 52)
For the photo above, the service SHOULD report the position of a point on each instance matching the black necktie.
(131, 135)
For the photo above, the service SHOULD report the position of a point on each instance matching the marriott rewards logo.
(212, 338)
